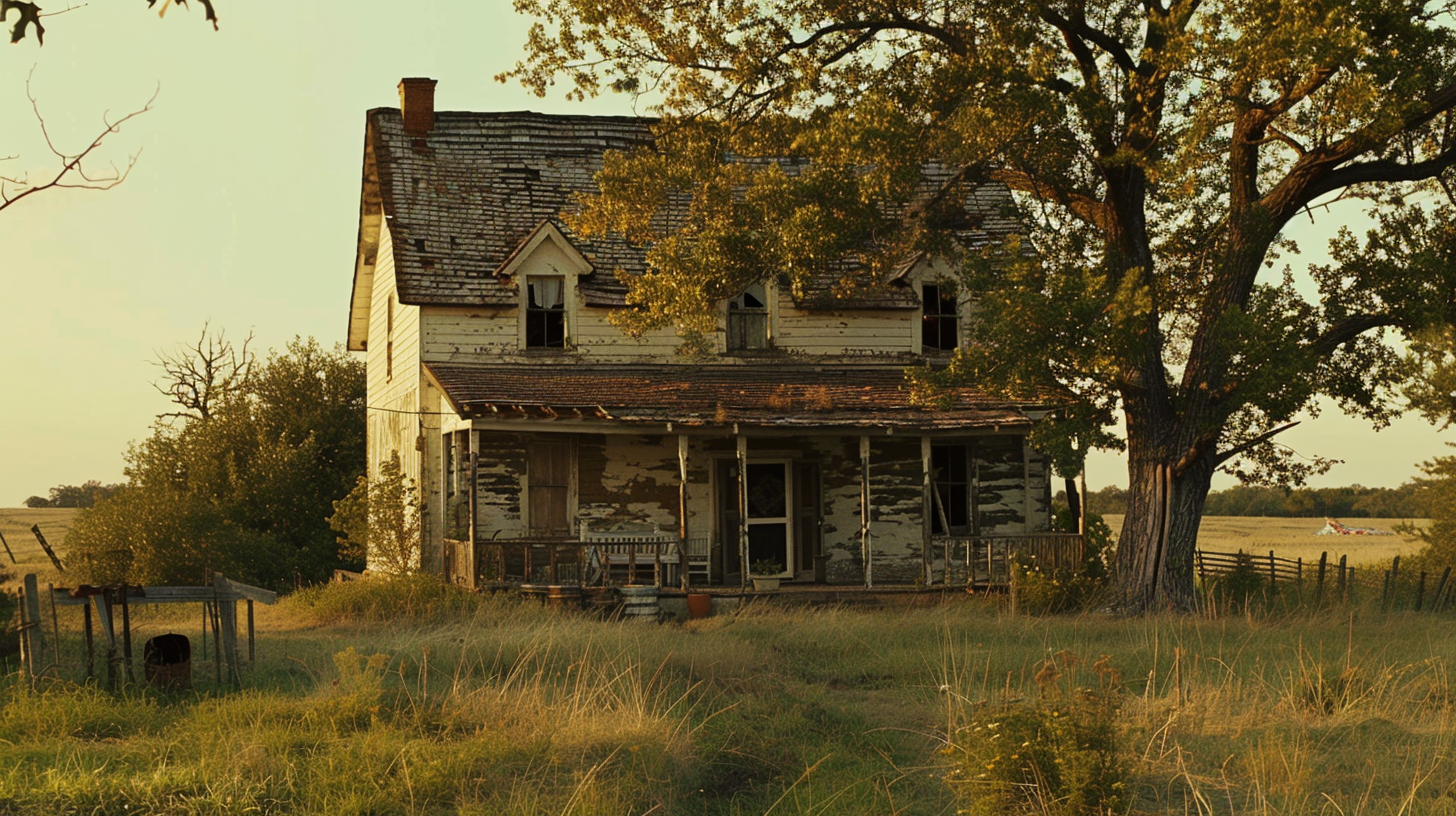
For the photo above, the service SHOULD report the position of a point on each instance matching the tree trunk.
(1154, 569)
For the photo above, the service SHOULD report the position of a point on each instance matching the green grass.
(464, 704)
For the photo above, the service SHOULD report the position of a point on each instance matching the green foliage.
(246, 490)
(380, 599)
(1410, 501)
(1239, 587)
(1057, 754)
(85, 495)
(1052, 592)
(1438, 488)
(1155, 152)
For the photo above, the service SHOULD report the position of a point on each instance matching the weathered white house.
(532, 424)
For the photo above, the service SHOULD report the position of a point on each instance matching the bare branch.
(73, 173)
(197, 377)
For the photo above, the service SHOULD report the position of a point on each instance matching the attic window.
(545, 312)
(748, 320)
(938, 330)
(419, 245)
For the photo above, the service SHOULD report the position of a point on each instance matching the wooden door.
(550, 464)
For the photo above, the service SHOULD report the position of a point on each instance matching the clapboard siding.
(845, 333)
(453, 334)
(395, 388)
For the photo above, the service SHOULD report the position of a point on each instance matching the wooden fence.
(1420, 592)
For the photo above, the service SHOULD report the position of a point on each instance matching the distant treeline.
(84, 495)
(1405, 502)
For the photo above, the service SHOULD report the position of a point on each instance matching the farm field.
(15, 524)
(1295, 538)
(409, 698)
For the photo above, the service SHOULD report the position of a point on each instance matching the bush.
(1049, 592)
(1057, 754)
(1236, 588)
(383, 598)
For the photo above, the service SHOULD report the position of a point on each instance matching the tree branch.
(1220, 458)
(73, 173)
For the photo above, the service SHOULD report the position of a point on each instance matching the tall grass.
(461, 704)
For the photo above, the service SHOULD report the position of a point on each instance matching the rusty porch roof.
(800, 396)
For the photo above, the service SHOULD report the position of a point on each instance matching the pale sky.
(242, 209)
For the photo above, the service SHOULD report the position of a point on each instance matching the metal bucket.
(639, 603)
(167, 662)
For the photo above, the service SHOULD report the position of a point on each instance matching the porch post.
(1025, 486)
(866, 552)
(473, 568)
(682, 509)
(742, 510)
(927, 574)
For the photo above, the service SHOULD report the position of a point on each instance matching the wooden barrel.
(639, 602)
(563, 596)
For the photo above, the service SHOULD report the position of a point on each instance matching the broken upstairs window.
(748, 320)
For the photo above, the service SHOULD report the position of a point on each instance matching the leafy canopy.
(246, 490)
(1157, 149)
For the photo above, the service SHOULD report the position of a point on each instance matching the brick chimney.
(417, 105)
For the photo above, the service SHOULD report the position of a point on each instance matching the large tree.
(245, 488)
(1158, 151)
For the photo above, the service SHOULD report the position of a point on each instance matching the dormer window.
(545, 311)
(938, 329)
(748, 320)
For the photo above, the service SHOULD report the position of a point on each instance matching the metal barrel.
(639, 602)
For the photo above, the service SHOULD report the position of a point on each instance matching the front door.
(770, 537)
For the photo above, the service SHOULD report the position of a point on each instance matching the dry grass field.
(1295, 538)
(15, 524)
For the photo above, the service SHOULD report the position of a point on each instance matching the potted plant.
(765, 573)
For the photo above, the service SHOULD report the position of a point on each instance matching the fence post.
(1319, 584)
(1344, 582)
(32, 640)
(1273, 577)
(1439, 600)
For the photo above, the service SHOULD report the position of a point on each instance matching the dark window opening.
(748, 320)
(938, 330)
(950, 512)
(545, 313)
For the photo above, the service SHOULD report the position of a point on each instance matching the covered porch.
(691, 477)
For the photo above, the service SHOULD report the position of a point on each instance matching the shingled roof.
(718, 395)
(460, 200)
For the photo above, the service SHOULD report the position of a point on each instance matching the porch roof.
(717, 395)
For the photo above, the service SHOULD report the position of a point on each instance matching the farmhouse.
(549, 446)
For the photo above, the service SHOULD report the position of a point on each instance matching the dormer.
(943, 307)
(544, 270)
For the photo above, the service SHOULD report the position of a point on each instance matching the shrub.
(383, 598)
(1051, 592)
(1057, 754)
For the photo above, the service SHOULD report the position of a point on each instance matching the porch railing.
(596, 558)
(984, 562)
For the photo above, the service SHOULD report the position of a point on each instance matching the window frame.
(945, 294)
(739, 317)
(531, 312)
